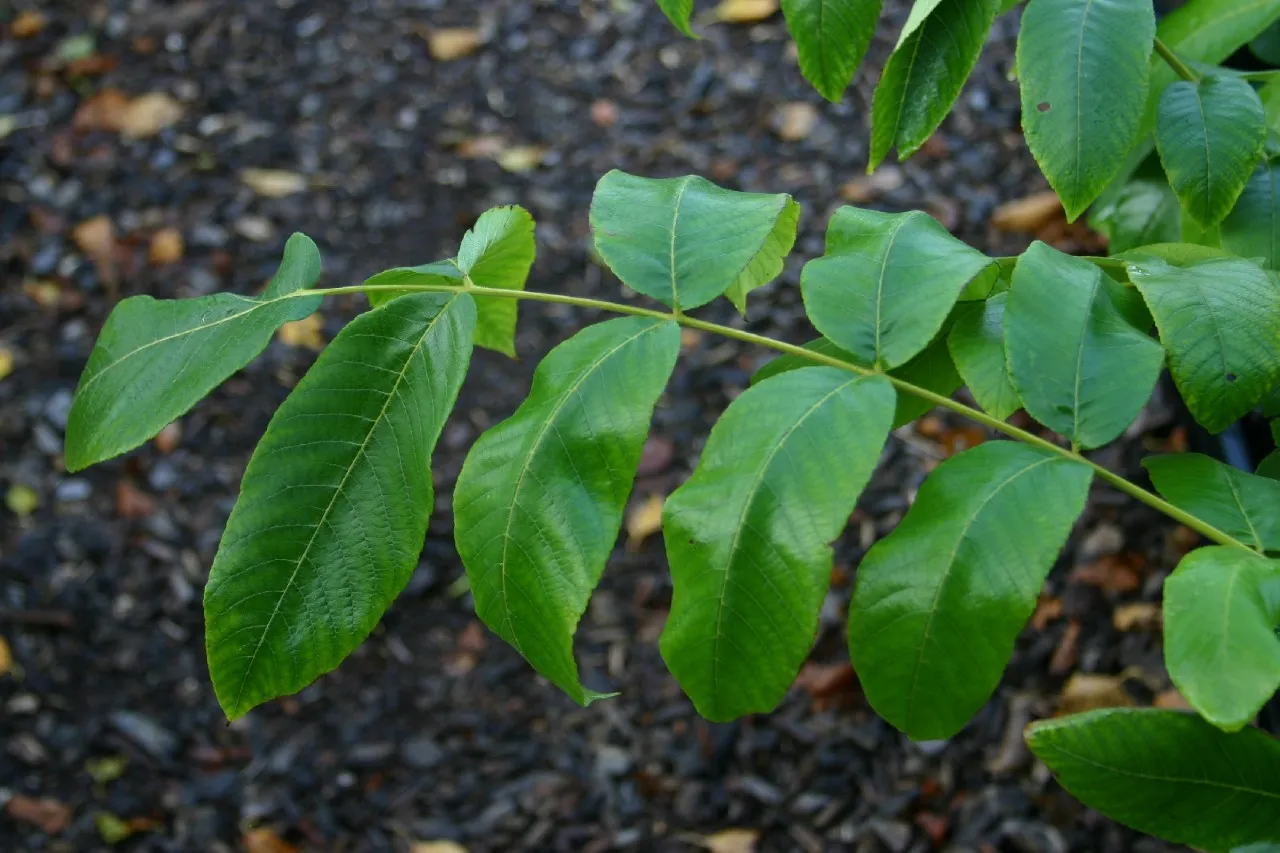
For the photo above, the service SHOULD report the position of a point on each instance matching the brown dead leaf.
(45, 293)
(1140, 616)
(732, 841)
(1171, 700)
(28, 24)
(954, 441)
(264, 840)
(1088, 691)
(1113, 573)
(826, 682)
(6, 657)
(689, 339)
(304, 333)
(166, 247)
(104, 111)
(795, 121)
(1028, 215)
(1068, 650)
(871, 187)
(450, 43)
(743, 11)
(436, 847)
(483, 146)
(149, 114)
(274, 183)
(90, 66)
(132, 502)
(96, 237)
(50, 815)
(1048, 609)
(168, 439)
(643, 520)
(471, 643)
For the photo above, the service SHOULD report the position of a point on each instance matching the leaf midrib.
(324, 516)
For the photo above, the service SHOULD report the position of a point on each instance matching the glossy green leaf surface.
(1168, 774)
(540, 499)
(1210, 136)
(335, 501)
(926, 72)
(685, 241)
(156, 358)
(440, 273)
(1078, 352)
(1083, 67)
(938, 603)
(498, 252)
(768, 262)
(886, 284)
(1252, 228)
(1177, 254)
(977, 348)
(679, 12)
(1219, 321)
(932, 370)
(831, 38)
(1241, 505)
(1145, 212)
(1220, 640)
(749, 534)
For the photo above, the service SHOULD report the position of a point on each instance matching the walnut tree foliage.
(1128, 117)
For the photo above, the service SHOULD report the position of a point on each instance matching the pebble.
(146, 733)
(421, 752)
(72, 490)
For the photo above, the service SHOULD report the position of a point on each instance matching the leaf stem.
(1172, 60)
(1133, 490)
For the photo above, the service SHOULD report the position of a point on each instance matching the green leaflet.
(1078, 352)
(1220, 632)
(831, 37)
(679, 12)
(440, 273)
(1144, 212)
(1177, 254)
(334, 504)
(931, 369)
(685, 241)
(1241, 505)
(498, 252)
(886, 284)
(1219, 321)
(1252, 229)
(1167, 773)
(1210, 138)
(748, 536)
(540, 499)
(155, 359)
(938, 602)
(926, 72)
(977, 348)
(1083, 67)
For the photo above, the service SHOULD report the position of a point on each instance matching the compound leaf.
(831, 37)
(1219, 320)
(498, 252)
(938, 602)
(1210, 136)
(685, 241)
(1220, 633)
(749, 535)
(1252, 228)
(540, 499)
(155, 359)
(1078, 352)
(886, 284)
(938, 50)
(1239, 504)
(1167, 773)
(440, 273)
(977, 348)
(1083, 67)
(335, 500)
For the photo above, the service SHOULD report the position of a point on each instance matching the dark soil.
(434, 730)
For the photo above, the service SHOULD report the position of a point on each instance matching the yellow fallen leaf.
(167, 247)
(732, 841)
(22, 500)
(453, 43)
(104, 770)
(643, 521)
(27, 25)
(149, 114)
(6, 362)
(744, 11)
(436, 847)
(521, 158)
(1142, 616)
(6, 657)
(43, 292)
(1086, 691)
(304, 333)
(1027, 215)
(112, 829)
(264, 840)
(274, 183)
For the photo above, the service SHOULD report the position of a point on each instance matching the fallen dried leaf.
(96, 237)
(826, 682)
(6, 657)
(108, 769)
(28, 24)
(264, 840)
(112, 829)
(1068, 650)
(1113, 573)
(643, 520)
(954, 441)
(795, 121)
(1171, 700)
(274, 183)
(486, 145)
(168, 439)
(1087, 691)
(1028, 215)
(448, 44)
(304, 333)
(149, 114)
(50, 815)
(689, 339)
(104, 111)
(45, 293)
(1048, 609)
(132, 502)
(732, 841)
(1140, 616)
(167, 247)
(871, 187)
(471, 642)
(6, 362)
(743, 11)
(21, 500)
(521, 158)
(436, 847)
